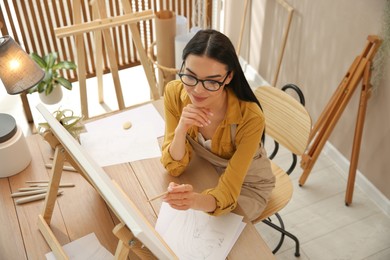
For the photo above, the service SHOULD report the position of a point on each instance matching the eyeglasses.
(210, 85)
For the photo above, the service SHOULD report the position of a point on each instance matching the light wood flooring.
(317, 215)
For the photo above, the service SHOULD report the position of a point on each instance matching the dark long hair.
(218, 46)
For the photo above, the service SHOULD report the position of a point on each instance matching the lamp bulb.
(14, 64)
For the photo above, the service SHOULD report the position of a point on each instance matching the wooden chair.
(288, 123)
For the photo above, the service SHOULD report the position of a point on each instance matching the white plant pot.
(53, 98)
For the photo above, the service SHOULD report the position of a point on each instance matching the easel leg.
(81, 71)
(110, 50)
(50, 238)
(333, 114)
(45, 219)
(58, 164)
(98, 55)
(364, 95)
(123, 248)
(142, 54)
(324, 128)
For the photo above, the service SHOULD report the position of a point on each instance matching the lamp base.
(14, 153)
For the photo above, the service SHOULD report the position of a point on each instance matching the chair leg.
(282, 235)
(283, 232)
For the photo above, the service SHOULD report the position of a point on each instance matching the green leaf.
(41, 62)
(52, 76)
(49, 88)
(64, 82)
(43, 127)
(41, 86)
(48, 76)
(68, 65)
(58, 114)
(73, 124)
(51, 59)
(33, 89)
(70, 121)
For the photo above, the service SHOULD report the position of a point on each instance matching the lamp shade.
(18, 71)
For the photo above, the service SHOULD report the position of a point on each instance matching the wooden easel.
(101, 27)
(127, 244)
(359, 70)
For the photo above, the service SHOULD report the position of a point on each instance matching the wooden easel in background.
(101, 27)
(359, 70)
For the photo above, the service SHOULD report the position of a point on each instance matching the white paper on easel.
(193, 234)
(120, 146)
(108, 143)
(142, 115)
(85, 248)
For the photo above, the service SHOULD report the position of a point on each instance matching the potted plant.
(49, 87)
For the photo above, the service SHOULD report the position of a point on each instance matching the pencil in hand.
(158, 196)
(164, 193)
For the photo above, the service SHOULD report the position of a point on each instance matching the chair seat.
(281, 194)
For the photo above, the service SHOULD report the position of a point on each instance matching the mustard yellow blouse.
(250, 126)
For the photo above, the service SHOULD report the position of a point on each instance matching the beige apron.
(258, 183)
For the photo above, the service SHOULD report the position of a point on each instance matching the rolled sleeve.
(223, 205)
(175, 168)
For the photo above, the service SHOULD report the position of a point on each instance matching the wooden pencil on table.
(32, 188)
(33, 198)
(38, 181)
(65, 167)
(62, 185)
(28, 193)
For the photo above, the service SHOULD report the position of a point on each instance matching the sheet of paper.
(194, 234)
(109, 143)
(145, 115)
(85, 248)
(119, 146)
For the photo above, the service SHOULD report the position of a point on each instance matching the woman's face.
(204, 68)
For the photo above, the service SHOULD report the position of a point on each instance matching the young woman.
(212, 111)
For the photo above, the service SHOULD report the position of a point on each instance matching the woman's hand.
(192, 115)
(183, 197)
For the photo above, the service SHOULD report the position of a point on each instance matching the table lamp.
(18, 72)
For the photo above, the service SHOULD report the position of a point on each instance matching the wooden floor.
(327, 229)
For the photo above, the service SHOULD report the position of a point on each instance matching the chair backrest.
(286, 120)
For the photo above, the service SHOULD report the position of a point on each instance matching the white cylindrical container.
(14, 153)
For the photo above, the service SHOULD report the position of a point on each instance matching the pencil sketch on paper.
(203, 238)
(195, 235)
